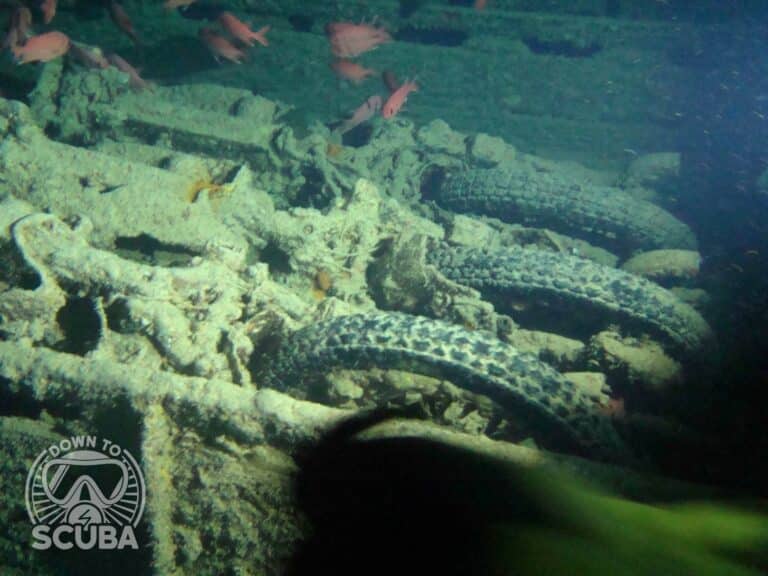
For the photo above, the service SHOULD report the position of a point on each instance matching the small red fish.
(349, 40)
(398, 98)
(480, 4)
(220, 46)
(241, 31)
(48, 8)
(362, 114)
(351, 71)
(135, 81)
(122, 20)
(41, 48)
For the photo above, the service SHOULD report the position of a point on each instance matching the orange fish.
(362, 114)
(480, 4)
(41, 48)
(121, 20)
(351, 71)
(136, 82)
(220, 46)
(349, 40)
(173, 4)
(398, 98)
(241, 31)
(48, 8)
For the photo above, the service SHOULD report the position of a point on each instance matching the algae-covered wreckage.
(213, 288)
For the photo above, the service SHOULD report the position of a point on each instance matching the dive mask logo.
(85, 493)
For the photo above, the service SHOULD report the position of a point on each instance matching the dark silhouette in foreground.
(417, 506)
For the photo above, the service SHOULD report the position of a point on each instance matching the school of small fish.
(229, 40)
